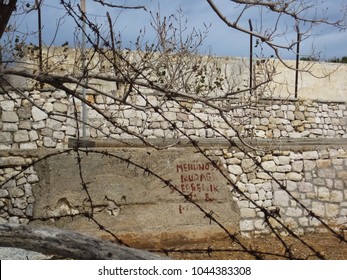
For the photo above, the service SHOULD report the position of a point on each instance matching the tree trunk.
(67, 244)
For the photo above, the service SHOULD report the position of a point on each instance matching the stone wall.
(24, 126)
(317, 179)
(314, 176)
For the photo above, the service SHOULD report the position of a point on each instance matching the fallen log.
(67, 244)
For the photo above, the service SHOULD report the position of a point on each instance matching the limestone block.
(38, 115)
(295, 156)
(297, 166)
(29, 210)
(47, 132)
(48, 107)
(247, 213)
(48, 142)
(254, 196)
(25, 124)
(233, 160)
(268, 203)
(326, 173)
(243, 204)
(10, 127)
(318, 208)
(310, 155)
(309, 165)
(58, 94)
(260, 224)
(276, 133)
(20, 203)
(21, 136)
(70, 131)
(299, 115)
(248, 165)
(283, 160)
(246, 225)
(33, 178)
(12, 161)
(3, 193)
(337, 162)
(291, 186)
(7, 105)
(263, 176)
(296, 123)
(317, 131)
(336, 196)
(305, 187)
(33, 136)
(28, 146)
(14, 219)
(60, 107)
(324, 194)
(38, 125)
(281, 198)
(338, 184)
(262, 195)
(53, 124)
(264, 121)
(251, 188)
(295, 135)
(308, 176)
(293, 176)
(342, 174)
(269, 166)
(284, 168)
(15, 192)
(294, 212)
(9, 184)
(304, 221)
(28, 189)
(10, 117)
(332, 210)
(323, 163)
(170, 116)
(24, 112)
(267, 186)
(279, 176)
(235, 169)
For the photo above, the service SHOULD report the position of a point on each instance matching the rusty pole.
(250, 57)
(297, 60)
(39, 23)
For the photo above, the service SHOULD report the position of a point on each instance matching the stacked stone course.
(315, 179)
(16, 181)
(24, 126)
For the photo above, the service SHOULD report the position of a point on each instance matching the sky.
(325, 41)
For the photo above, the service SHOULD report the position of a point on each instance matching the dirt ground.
(313, 246)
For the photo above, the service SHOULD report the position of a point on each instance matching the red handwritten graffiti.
(197, 181)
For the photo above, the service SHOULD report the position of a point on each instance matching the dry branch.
(67, 244)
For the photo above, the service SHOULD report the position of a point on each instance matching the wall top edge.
(259, 145)
(267, 144)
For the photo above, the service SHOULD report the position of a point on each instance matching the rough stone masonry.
(315, 176)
